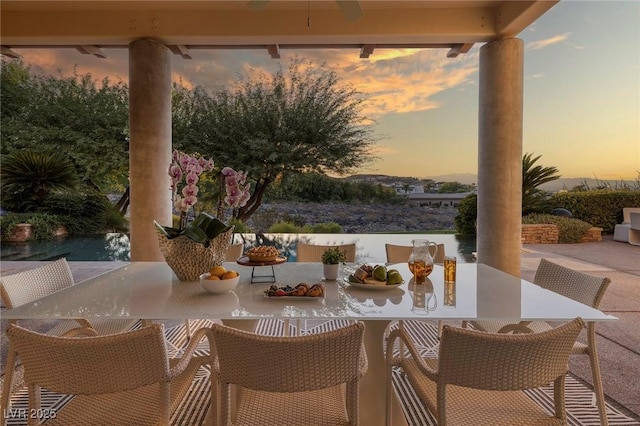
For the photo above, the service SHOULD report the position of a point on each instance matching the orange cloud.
(393, 81)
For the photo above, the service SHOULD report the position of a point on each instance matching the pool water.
(115, 246)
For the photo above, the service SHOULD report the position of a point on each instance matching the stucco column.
(149, 145)
(500, 155)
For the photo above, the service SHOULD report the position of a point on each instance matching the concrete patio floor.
(618, 342)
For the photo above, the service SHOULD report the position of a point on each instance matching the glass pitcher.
(420, 260)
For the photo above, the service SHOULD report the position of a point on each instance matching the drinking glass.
(450, 269)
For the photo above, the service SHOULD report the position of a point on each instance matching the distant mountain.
(466, 178)
(469, 178)
(570, 183)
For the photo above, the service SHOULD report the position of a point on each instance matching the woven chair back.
(312, 362)
(491, 361)
(584, 288)
(313, 252)
(92, 365)
(27, 286)
(234, 251)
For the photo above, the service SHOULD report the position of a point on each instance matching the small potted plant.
(331, 260)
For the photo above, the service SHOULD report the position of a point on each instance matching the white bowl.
(218, 286)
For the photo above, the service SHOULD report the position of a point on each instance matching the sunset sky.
(581, 94)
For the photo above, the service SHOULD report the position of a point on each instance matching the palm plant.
(533, 198)
(28, 177)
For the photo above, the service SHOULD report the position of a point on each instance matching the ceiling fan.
(350, 8)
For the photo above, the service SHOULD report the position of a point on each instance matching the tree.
(76, 115)
(452, 188)
(28, 177)
(533, 198)
(465, 221)
(278, 125)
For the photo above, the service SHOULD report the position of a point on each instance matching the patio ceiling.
(90, 26)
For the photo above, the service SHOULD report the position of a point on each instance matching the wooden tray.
(244, 260)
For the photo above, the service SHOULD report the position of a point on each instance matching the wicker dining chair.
(313, 252)
(118, 379)
(478, 378)
(295, 380)
(234, 251)
(584, 288)
(27, 286)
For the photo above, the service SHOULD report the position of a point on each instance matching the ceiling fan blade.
(257, 4)
(350, 9)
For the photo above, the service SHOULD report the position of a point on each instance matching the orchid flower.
(185, 171)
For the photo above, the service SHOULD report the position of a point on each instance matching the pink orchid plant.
(236, 187)
(185, 195)
(185, 171)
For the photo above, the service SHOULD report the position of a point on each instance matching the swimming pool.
(115, 246)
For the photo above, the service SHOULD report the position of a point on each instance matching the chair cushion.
(621, 232)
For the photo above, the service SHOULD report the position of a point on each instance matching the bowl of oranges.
(219, 280)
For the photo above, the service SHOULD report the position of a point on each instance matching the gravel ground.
(358, 218)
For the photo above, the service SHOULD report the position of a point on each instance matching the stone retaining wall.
(539, 234)
(24, 231)
(548, 234)
(592, 235)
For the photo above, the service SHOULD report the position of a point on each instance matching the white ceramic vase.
(331, 271)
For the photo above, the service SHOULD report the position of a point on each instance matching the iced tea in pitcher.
(420, 260)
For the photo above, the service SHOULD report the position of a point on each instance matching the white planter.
(331, 271)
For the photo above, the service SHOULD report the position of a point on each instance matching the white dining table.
(150, 290)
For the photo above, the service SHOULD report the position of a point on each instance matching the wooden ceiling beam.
(274, 51)
(6, 51)
(91, 50)
(181, 50)
(366, 51)
(458, 49)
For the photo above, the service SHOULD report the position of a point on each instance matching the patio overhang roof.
(91, 26)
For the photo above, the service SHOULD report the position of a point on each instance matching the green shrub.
(115, 221)
(465, 221)
(601, 208)
(323, 228)
(43, 225)
(570, 230)
(82, 213)
(29, 177)
(284, 228)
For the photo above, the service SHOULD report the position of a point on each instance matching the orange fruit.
(214, 278)
(218, 271)
(229, 274)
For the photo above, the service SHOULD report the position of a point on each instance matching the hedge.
(601, 208)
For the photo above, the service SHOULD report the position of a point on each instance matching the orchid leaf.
(202, 230)
(212, 226)
(196, 234)
(166, 230)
